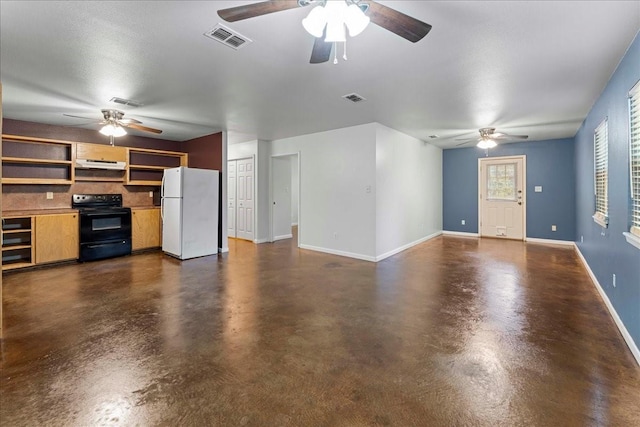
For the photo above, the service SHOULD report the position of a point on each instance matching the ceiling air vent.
(354, 97)
(228, 37)
(128, 102)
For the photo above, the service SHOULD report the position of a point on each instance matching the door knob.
(519, 203)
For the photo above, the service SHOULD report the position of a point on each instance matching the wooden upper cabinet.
(56, 237)
(145, 228)
(86, 151)
(28, 160)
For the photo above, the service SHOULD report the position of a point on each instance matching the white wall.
(242, 150)
(337, 214)
(408, 191)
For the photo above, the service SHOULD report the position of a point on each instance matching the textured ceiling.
(531, 68)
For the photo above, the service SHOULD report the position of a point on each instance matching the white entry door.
(231, 198)
(281, 193)
(502, 197)
(245, 199)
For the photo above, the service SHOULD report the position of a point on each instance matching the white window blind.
(601, 171)
(634, 157)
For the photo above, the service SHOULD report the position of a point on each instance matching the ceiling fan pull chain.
(345, 50)
(335, 52)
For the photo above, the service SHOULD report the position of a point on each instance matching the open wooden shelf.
(17, 242)
(146, 166)
(29, 160)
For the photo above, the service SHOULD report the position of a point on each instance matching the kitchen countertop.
(31, 212)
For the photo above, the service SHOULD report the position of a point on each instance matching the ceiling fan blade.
(142, 128)
(516, 136)
(94, 120)
(321, 51)
(403, 25)
(239, 13)
(129, 121)
(469, 141)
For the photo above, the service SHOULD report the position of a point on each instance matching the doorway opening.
(502, 197)
(285, 221)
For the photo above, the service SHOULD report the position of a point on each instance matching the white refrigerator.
(189, 210)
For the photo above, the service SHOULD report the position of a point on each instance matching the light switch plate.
(538, 188)
(49, 195)
(150, 193)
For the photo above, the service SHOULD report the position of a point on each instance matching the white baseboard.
(283, 237)
(612, 311)
(339, 253)
(258, 241)
(459, 234)
(294, 224)
(550, 241)
(223, 250)
(407, 246)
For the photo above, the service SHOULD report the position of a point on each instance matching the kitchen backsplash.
(28, 197)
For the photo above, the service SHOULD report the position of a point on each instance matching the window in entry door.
(502, 182)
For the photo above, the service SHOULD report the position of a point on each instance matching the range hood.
(100, 164)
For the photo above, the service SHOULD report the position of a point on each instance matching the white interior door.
(231, 198)
(502, 197)
(245, 199)
(281, 191)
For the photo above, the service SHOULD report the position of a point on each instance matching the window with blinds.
(634, 157)
(601, 173)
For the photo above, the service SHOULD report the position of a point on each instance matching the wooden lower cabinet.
(56, 237)
(145, 228)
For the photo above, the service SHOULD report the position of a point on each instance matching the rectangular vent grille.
(354, 97)
(228, 37)
(128, 102)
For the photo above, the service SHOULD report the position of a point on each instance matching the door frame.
(522, 157)
(297, 155)
(255, 195)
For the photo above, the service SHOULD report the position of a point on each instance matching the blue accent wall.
(605, 249)
(550, 164)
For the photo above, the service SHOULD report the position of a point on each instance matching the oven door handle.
(108, 215)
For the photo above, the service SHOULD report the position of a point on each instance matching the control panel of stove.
(89, 200)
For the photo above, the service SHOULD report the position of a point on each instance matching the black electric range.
(105, 226)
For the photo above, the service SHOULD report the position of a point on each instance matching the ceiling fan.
(398, 23)
(113, 123)
(488, 138)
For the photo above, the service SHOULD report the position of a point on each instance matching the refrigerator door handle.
(162, 199)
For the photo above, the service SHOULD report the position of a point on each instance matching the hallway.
(452, 332)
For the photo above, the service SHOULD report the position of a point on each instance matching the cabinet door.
(56, 237)
(145, 228)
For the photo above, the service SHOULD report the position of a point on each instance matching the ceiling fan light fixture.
(315, 22)
(486, 143)
(113, 130)
(355, 20)
(335, 32)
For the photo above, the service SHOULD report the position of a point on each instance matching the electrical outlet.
(335, 235)
(581, 239)
(150, 193)
(614, 280)
(554, 228)
(49, 195)
(463, 222)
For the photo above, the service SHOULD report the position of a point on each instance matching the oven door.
(105, 225)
